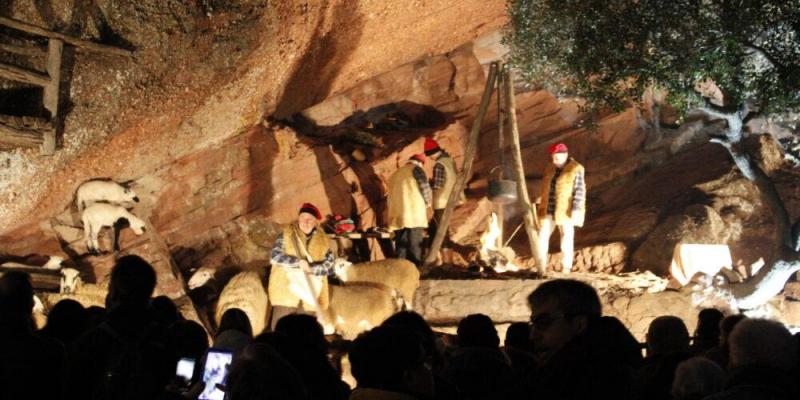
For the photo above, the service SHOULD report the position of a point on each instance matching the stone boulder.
(696, 224)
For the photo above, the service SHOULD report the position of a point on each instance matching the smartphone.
(215, 371)
(185, 369)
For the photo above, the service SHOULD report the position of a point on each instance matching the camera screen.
(185, 368)
(215, 371)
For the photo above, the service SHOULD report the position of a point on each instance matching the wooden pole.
(14, 137)
(466, 168)
(25, 75)
(23, 50)
(80, 43)
(501, 115)
(522, 187)
(50, 97)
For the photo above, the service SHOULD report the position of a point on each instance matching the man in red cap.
(444, 179)
(301, 248)
(408, 201)
(563, 204)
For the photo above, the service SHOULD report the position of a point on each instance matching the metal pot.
(502, 191)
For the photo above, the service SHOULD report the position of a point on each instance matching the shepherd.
(563, 197)
(301, 263)
(408, 201)
(444, 179)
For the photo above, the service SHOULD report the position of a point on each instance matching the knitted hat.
(310, 209)
(558, 148)
(431, 147)
(418, 157)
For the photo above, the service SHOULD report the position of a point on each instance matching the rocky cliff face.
(230, 116)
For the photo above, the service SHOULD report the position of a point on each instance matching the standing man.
(409, 198)
(301, 262)
(444, 179)
(563, 197)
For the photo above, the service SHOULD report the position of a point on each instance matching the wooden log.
(14, 137)
(22, 50)
(41, 279)
(50, 97)
(466, 169)
(20, 74)
(79, 43)
(519, 172)
(501, 116)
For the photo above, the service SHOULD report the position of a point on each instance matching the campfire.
(493, 253)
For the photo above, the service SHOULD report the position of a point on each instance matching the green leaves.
(607, 52)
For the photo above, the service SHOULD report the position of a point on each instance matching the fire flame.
(491, 252)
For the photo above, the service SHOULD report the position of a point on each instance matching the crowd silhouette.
(568, 350)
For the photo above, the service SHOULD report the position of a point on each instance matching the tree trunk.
(771, 279)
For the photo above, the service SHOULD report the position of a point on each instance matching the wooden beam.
(466, 169)
(501, 116)
(41, 279)
(22, 50)
(50, 97)
(522, 187)
(15, 137)
(23, 75)
(80, 43)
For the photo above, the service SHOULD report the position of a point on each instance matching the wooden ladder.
(16, 134)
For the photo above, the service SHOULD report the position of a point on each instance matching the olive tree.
(608, 52)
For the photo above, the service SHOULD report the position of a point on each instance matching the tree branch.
(760, 50)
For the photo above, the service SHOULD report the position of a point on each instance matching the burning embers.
(493, 253)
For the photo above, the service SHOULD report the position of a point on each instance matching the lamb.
(357, 307)
(399, 274)
(99, 215)
(245, 292)
(103, 190)
(73, 287)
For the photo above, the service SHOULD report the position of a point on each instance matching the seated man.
(301, 257)
(574, 359)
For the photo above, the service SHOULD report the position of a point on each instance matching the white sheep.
(201, 277)
(73, 287)
(103, 190)
(99, 215)
(357, 307)
(245, 292)
(399, 274)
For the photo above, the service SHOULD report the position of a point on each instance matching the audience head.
(304, 329)
(235, 319)
(477, 330)
(261, 373)
(561, 310)
(707, 331)
(761, 342)
(16, 300)
(187, 338)
(667, 334)
(726, 327)
(132, 282)
(697, 378)
(518, 336)
(165, 311)
(66, 321)
(389, 358)
(413, 322)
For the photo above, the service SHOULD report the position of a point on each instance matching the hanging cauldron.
(502, 191)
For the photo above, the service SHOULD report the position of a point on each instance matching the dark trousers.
(433, 226)
(408, 244)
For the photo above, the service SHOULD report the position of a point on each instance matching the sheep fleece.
(399, 274)
(357, 307)
(245, 292)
